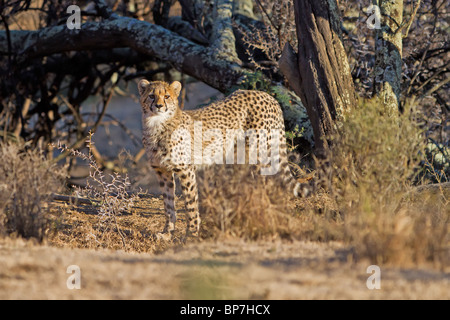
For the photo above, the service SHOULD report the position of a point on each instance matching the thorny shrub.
(108, 194)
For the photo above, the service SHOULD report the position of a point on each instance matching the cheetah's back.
(244, 109)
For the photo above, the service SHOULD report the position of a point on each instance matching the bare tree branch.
(407, 25)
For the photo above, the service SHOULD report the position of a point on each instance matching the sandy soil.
(208, 270)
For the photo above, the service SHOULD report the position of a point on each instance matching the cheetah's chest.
(154, 141)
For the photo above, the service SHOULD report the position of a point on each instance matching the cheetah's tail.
(301, 187)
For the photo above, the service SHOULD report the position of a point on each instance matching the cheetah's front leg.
(166, 183)
(190, 192)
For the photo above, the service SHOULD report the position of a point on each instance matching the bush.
(27, 181)
(370, 169)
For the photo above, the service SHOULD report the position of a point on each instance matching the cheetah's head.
(158, 97)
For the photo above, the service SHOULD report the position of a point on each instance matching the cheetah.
(177, 142)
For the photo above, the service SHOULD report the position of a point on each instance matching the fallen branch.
(80, 200)
(144, 37)
(72, 199)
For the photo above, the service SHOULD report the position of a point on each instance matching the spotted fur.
(166, 129)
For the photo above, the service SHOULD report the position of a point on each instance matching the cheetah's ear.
(176, 87)
(142, 85)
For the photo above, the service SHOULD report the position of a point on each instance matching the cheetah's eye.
(166, 96)
(152, 96)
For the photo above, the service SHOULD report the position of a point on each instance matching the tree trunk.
(222, 37)
(320, 74)
(388, 54)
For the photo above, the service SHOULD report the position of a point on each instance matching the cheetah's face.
(158, 97)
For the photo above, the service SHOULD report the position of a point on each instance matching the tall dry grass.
(237, 201)
(370, 176)
(27, 181)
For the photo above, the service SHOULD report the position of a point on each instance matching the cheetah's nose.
(159, 106)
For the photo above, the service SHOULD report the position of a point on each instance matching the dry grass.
(237, 201)
(133, 231)
(371, 168)
(27, 180)
(110, 202)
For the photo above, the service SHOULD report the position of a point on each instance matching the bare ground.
(208, 269)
